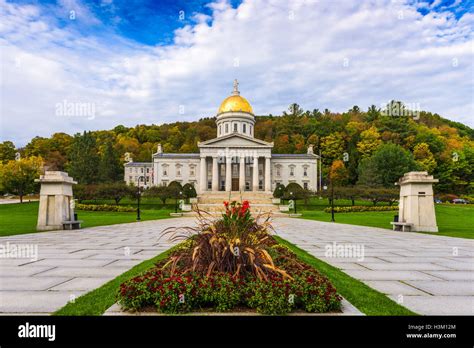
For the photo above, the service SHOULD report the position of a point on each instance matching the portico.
(234, 169)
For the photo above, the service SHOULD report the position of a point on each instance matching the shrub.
(226, 264)
(279, 191)
(360, 208)
(189, 191)
(105, 207)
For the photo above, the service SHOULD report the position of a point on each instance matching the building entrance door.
(235, 184)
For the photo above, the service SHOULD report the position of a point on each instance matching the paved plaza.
(71, 263)
(427, 274)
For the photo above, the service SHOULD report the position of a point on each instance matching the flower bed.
(232, 263)
(105, 207)
(361, 208)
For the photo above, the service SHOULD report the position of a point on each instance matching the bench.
(72, 224)
(402, 226)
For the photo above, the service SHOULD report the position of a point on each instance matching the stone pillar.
(215, 174)
(242, 173)
(56, 198)
(203, 175)
(268, 179)
(228, 174)
(255, 174)
(416, 201)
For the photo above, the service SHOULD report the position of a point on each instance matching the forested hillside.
(444, 148)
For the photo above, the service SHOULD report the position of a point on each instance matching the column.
(228, 174)
(203, 176)
(242, 173)
(215, 174)
(268, 179)
(255, 174)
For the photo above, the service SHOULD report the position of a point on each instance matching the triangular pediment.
(235, 140)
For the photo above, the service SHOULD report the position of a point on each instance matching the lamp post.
(176, 202)
(294, 201)
(140, 178)
(332, 200)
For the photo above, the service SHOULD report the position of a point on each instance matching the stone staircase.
(213, 202)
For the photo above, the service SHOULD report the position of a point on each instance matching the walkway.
(426, 273)
(71, 263)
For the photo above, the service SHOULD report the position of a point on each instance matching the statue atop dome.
(236, 88)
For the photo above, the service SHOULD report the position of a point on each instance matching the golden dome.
(235, 102)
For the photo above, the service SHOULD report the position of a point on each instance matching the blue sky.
(142, 62)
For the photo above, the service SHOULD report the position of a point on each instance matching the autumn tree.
(369, 142)
(424, 157)
(338, 174)
(18, 176)
(7, 151)
(332, 147)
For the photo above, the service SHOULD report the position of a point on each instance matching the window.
(292, 171)
(305, 171)
(227, 128)
(244, 128)
(220, 126)
(148, 170)
(247, 185)
(130, 178)
(209, 185)
(235, 127)
(278, 170)
(192, 171)
(178, 172)
(250, 130)
(164, 183)
(141, 170)
(305, 185)
(260, 184)
(165, 170)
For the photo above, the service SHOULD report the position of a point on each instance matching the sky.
(72, 65)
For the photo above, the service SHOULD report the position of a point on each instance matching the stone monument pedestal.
(416, 207)
(56, 201)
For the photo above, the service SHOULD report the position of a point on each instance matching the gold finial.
(236, 88)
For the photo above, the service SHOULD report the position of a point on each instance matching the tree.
(189, 191)
(369, 142)
(18, 177)
(84, 159)
(332, 147)
(424, 157)
(115, 191)
(338, 174)
(7, 151)
(162, 192)
(110, 167)
(385, 166)
(294, 191)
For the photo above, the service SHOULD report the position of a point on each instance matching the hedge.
(105, 207)
(360, 208)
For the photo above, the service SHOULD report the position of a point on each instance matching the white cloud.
(332, 54)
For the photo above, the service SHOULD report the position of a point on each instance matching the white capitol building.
(234, 161)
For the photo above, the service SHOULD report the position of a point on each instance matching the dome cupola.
(235, 115)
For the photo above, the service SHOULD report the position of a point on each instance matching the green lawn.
(453, 220)
(21, 218)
